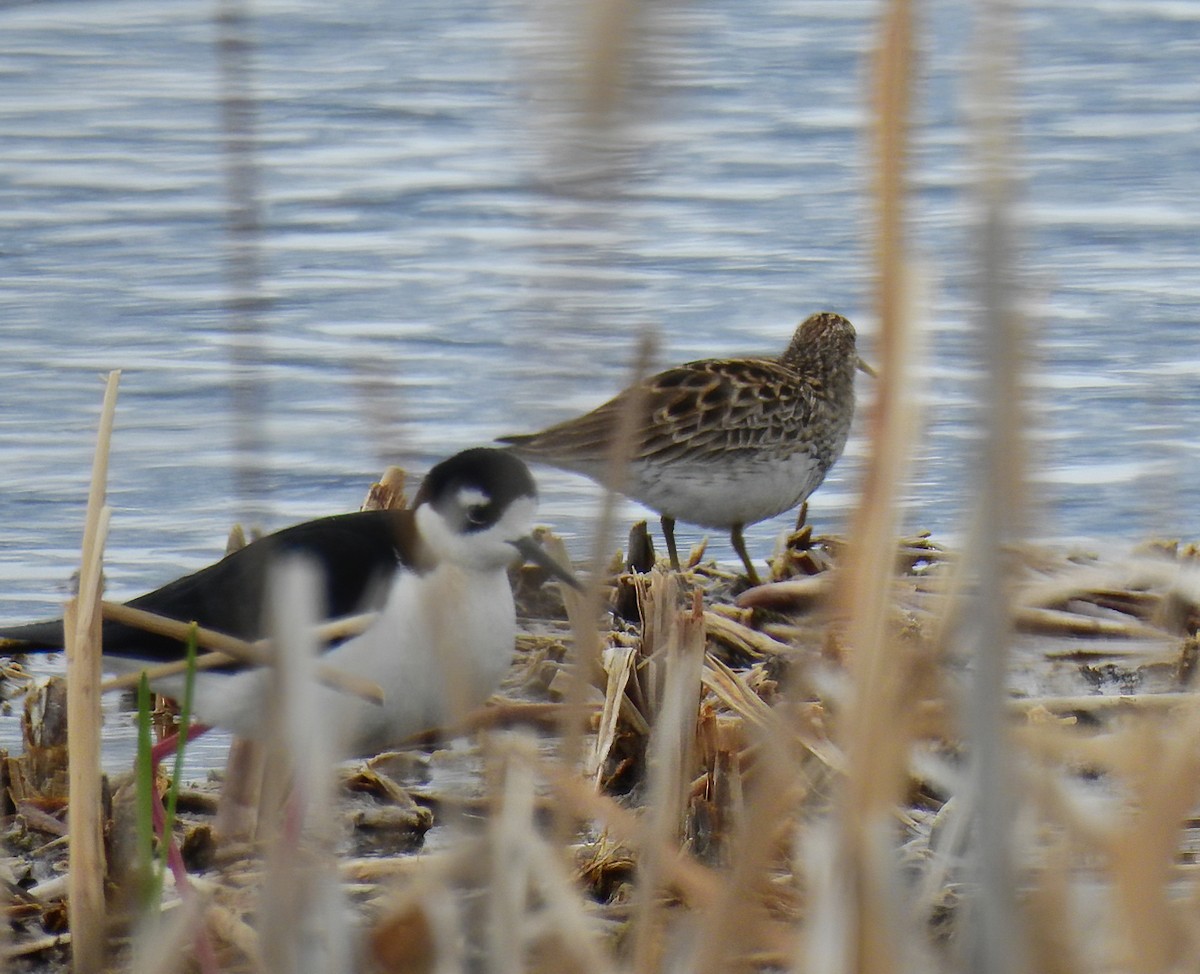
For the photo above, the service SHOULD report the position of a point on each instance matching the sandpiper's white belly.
(441, 645)
(726, 491)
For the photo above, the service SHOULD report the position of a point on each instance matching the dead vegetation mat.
(684, 799)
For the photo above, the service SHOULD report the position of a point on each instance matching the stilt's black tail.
(358, 554)
(32, 637)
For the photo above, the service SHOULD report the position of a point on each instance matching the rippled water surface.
(444, 260)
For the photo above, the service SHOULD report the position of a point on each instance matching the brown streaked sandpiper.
(723, 443)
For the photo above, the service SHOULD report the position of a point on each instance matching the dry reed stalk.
(1059, 622)
(751, 643)
(301, 916)
(995, 940)
(605, 51)
(35, 947)
(566, 916)
(242, 263)
(500, 712)
(510, 832)
(680, 640)
(877, 726)
(1138, 575)
(1156, 763)
(160, 947)
(738, 924)
(230, 649)
(765, 723)
(533, 906)
(584, 612)
(81, 628)
(694, 883)
(236, 819)
(792, 593)
(1094, 704)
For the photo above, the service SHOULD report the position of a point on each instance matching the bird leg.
(739, 545)
(668, 526)
(206, 957)
(170, 744)
(164, 749)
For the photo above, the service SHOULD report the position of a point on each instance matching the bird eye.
(477, 515)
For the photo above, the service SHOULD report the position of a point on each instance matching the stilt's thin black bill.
(534, 552)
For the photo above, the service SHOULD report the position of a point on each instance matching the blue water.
(446, 259)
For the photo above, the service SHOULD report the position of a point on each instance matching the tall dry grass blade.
(877, 727)
(81, 628)
(231, 649)
(996, 938)
(511, 832)
(1161, 763)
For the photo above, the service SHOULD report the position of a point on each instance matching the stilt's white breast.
(439, 648)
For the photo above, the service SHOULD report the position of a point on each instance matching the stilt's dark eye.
(471, 508)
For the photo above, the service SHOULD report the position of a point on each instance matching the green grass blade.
(145, 796)
(185, 722)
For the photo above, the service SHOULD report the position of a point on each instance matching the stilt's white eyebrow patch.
(472, 496)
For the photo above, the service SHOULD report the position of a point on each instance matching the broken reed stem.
(81, 629)
(877, 727)
(230, 649)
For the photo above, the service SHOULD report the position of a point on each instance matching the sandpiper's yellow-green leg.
(739, 545)
(668, 526)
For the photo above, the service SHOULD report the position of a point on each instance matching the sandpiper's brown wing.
(696, 410)
(719, 406)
